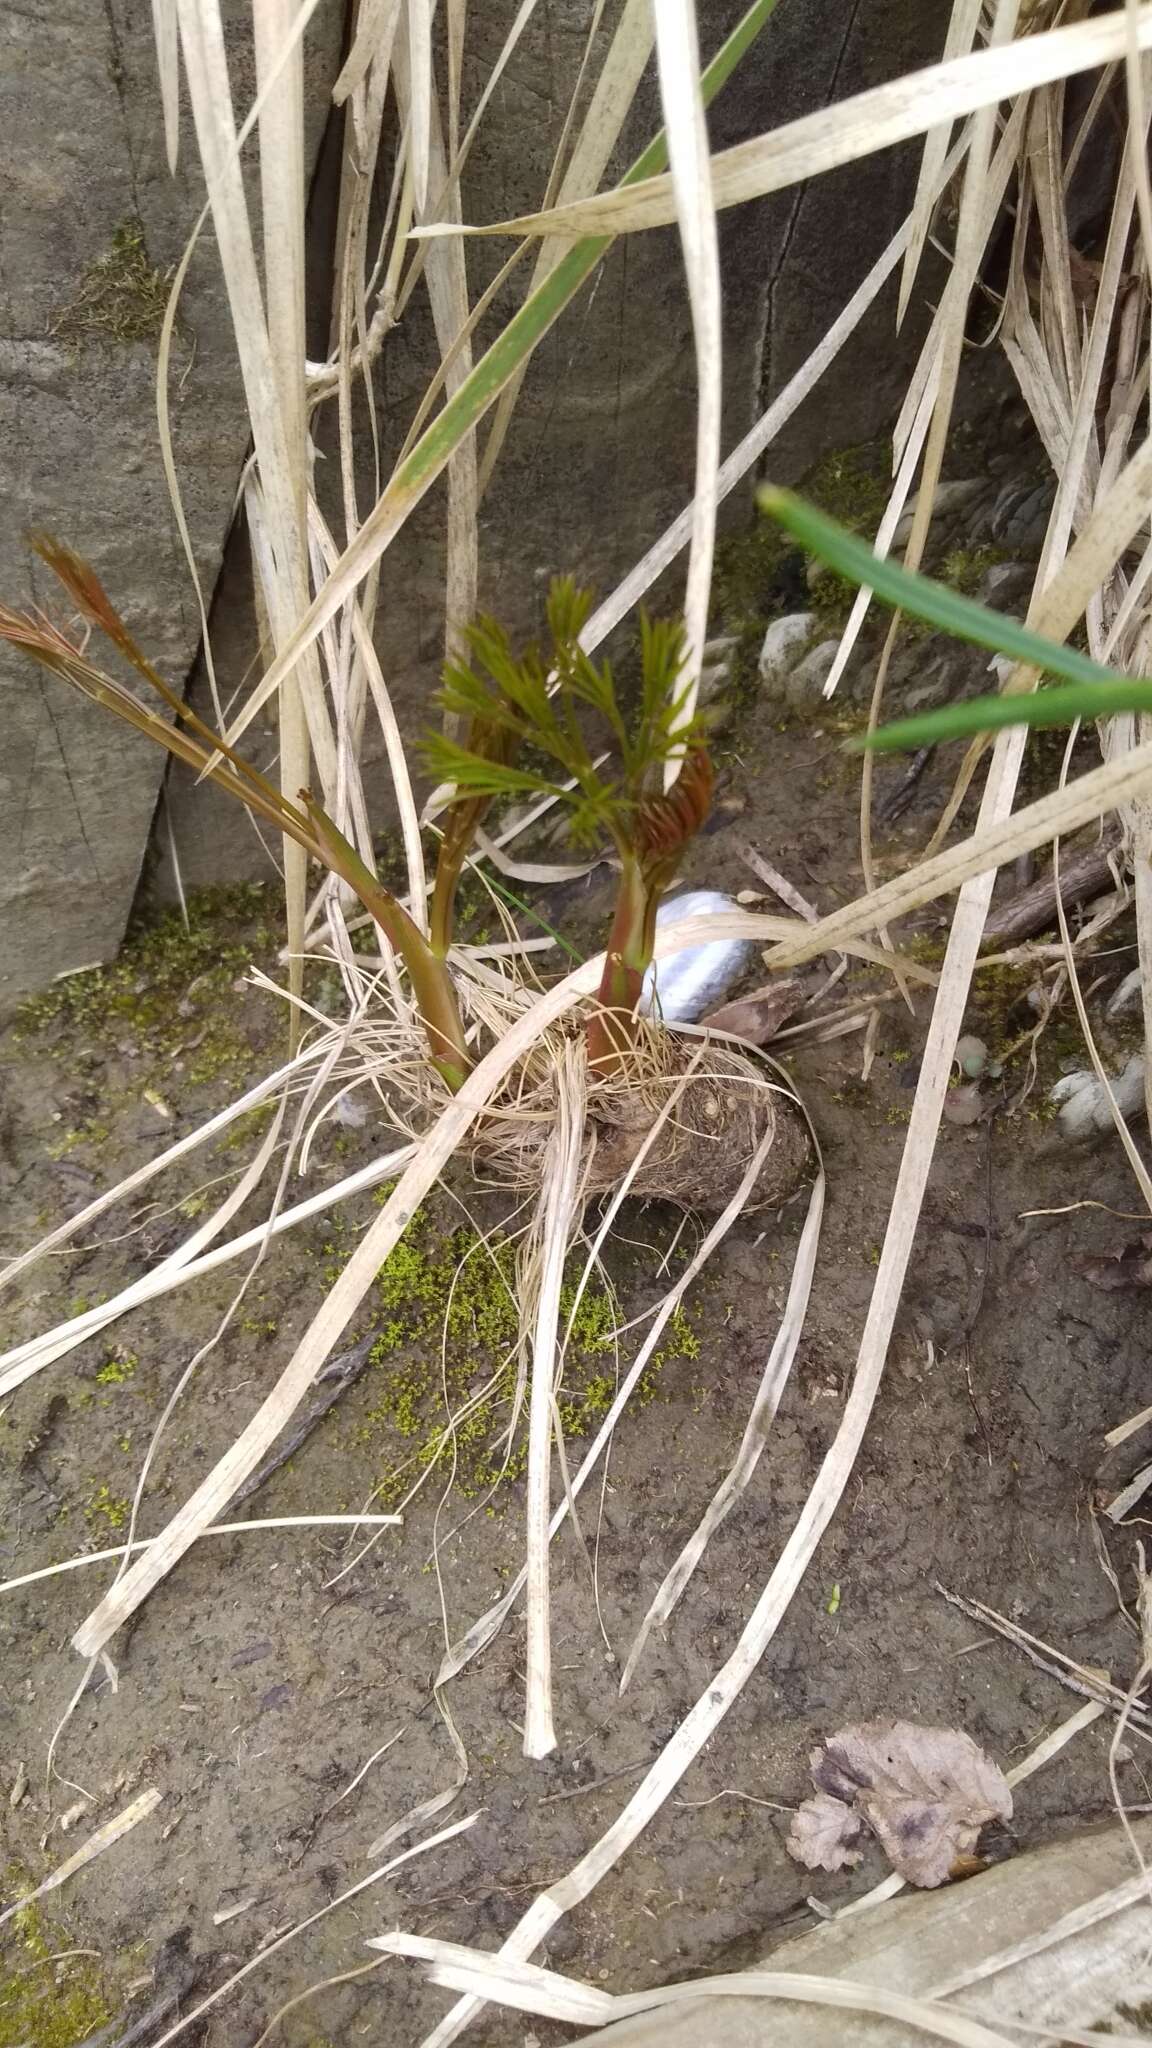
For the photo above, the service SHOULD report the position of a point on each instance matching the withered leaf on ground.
(964, 1105)
(823, 1832)
(759, 1016)
(924, 1792)
(1129, 1267)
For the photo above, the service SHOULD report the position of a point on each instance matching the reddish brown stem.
(611, 1030)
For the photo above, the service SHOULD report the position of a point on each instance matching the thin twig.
(594, 1784)
(342, 1373)
(1075, 1676)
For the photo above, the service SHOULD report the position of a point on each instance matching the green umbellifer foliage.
(511, 701)
(508, 703)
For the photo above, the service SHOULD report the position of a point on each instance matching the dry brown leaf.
(759, 1016)
(925, 1793)
(822, 1833)
(964, 1105)
(1131, 1266)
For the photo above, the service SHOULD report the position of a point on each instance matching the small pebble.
(784, 646)
(808, 678)
(1083, 1106)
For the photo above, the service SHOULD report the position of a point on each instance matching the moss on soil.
(45, 2003)
(761, 574)
(445, 1308)
(164, 1001)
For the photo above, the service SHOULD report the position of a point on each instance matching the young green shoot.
(511, 702)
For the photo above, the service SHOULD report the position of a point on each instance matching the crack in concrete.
(792, 223)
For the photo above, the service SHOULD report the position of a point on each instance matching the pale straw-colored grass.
(319, 593)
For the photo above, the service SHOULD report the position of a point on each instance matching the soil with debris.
(255, 1685)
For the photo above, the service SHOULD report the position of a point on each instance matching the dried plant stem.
(560, 1205)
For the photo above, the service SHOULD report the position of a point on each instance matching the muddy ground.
(252, 1690)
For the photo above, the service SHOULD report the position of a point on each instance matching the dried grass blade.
(972, 229)
(446, 203)
(167, 38)
(705, 1717)
(422, 464)
(772, 1384)
(961, 35)
(461, 1653)
(528, 1988)
(448, 294)
(206, 1504)
(419, 20)
(206, 65)
(678, 55)
(163, 366)
(375, 27)
(560, 1204)
(448, 1834)
(118, 1550)
(280, 81)
(220, 1122)
(398, 766)
(616, 607)
(851, 129)
(1065, 1929)
(113, 1831)
(41, 1351)
(615, 91)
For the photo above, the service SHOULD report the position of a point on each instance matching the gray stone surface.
(599, 459)
(88, 211)
(806, 683)
(784, 645)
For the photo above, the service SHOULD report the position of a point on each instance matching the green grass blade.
(935, 602)
(1062, 705)
(500, 888)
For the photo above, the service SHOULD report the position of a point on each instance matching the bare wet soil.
(255, 1684)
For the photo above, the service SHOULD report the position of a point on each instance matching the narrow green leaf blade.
(941, 607)
(539, 313)
(1062, 705)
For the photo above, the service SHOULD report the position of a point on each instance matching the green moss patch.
(121, 297)
(168, 996)
(447, 1357)
(49, 1998)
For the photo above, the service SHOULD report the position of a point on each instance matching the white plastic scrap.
(691, 982)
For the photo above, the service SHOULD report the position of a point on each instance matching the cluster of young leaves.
(514, 702)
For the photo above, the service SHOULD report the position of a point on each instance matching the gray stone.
(950, 497)
(1005, 581)
(806, 682)
(1020, 515)
(784, 645)
(90, 222)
